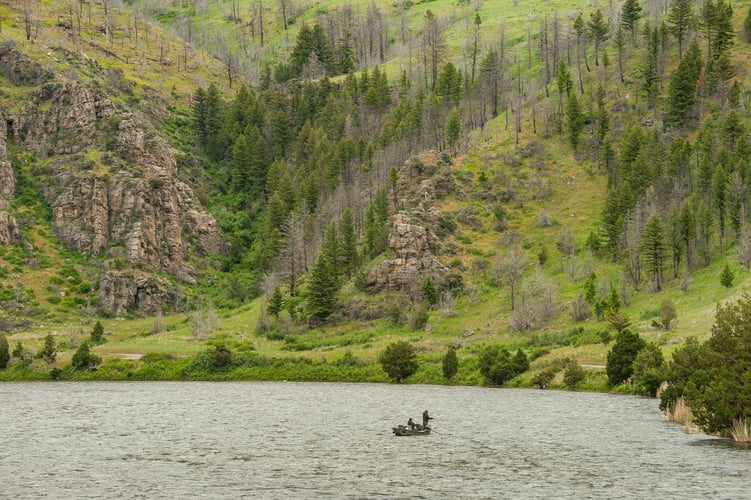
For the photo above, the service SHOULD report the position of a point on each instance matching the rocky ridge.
(111, 182)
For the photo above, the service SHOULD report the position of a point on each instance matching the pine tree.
(241, 161)
(575, 120)
(653, 249)
(199, 112)
(4, 351)
(323, 284)
(97, 333)
(276, 303)
(649, 73)
(598, 30)
(49, 351)
(682, 87)
(564, 82)
(631, 12)
(687, 229)
(453, 129)
(450, 364)
(727, 276)
(720, 199)
(429, 291)
(680, 18)
(747, 26)
(348, 241)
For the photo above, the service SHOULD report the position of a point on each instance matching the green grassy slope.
(575, 201)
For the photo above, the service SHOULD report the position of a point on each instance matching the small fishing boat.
(403, 430)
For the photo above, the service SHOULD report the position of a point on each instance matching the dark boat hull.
(406, 431)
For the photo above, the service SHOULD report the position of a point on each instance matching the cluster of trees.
(714, 377)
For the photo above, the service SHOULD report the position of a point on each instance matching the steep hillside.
(545, 177)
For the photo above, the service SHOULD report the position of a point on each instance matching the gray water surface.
(307, 440)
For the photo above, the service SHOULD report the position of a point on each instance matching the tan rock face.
(413, 259)
(8, 227)
(123, 292)
(111, 182)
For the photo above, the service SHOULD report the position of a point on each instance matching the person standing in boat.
(426, 418)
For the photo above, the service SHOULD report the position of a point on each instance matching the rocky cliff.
(111, 182)
(8, 227)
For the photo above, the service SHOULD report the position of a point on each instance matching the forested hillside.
(493, 177)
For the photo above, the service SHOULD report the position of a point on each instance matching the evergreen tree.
(199, 111)
(747, 26)
(453, 129)
(598, 30)
(83, 358)
(727, 276)
(680, 19)
(496, 365)
(575, 120)
(49, 351)
(97, 333)
(323, 284)
(241, 161)
(720, 199)
(348, 243)
(4, 351)
(450, 364)
(649, 72)
(276, 303)
(675, 242)
(620, 362)
(520, 362)
(682, 87)
(429, 291)
(214, 125)
(631, 12)
(564, 82)
(399, 360)
(653, 249)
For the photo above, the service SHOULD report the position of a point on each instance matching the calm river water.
(299, 440)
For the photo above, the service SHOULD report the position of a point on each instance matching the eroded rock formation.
(110, 179)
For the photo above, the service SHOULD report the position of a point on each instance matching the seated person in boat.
(410, 424)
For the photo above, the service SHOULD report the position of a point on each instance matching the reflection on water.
(284, 440)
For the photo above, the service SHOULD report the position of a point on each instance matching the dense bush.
(621, 357)
(399, 360)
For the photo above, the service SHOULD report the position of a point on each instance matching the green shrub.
(399, 360)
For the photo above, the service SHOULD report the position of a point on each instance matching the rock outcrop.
(110, 179)
(129, 291)
(413, 259)
(9, 232)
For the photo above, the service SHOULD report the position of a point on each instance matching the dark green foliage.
(621, 357)
(84, 359)
(650, 71)
(450, 364)
(575, 120)
(598, 29)
(399, 360)
(429, 291)
(221, 356)
(496, 365)
(648, 369)
(453, 128)
(97, 333)
(4, 351)
(18, 350)
(631, 12)
(49, 351)
(323, 284)
(542, 378)
(682, 88)
(573, 375)
(276, 303)
(680, 19)
(747, 26)
(521, 362)
(714, 376)
(348, 255)
(727, 276)
(653, 249)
